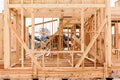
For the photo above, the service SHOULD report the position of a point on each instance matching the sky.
(1, 5)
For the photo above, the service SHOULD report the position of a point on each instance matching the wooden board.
(58, 1)
(1, 36)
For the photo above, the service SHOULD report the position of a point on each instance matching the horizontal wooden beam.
(43, 23)
(42, 32)
(57, 51)
(115, 11)
(54, 73)
(56, 5)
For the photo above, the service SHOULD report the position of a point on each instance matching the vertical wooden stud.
(6, 35)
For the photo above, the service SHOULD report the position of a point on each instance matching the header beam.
(56, 5)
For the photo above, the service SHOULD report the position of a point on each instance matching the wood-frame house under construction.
(85, 45)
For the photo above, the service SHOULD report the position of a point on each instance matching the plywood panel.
(27, 1)
(64, 1)
(15, 1)
(37, 1)
(89, 1)
(50, 1)
(76, 1)
(100, 1)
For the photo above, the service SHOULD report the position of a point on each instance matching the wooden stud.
(82, 31)
(1, 37)
(22, 36)
(95, 43)
(6, 36)
(108, 34)
(33, 31)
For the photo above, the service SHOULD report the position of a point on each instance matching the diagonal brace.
(90, 44)
(23, 43)
(91, 53)
(43, 23)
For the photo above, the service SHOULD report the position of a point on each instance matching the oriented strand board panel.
(1, 36)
